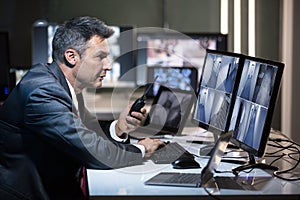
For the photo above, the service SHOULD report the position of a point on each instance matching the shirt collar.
(73, 94)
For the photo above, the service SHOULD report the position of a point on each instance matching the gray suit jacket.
(43, 143)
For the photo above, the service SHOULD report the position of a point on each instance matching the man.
(46, 134)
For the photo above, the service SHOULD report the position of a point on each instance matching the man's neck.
(70, 76)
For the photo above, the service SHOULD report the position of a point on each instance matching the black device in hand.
(140, 102)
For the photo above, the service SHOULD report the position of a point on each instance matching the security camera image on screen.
(184, 78)
(171, 49)
(178, 52)
(256, 96)
(216, 90)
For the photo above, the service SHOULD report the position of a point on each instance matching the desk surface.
(128, 182)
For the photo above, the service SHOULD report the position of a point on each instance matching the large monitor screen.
(217, 90)
(174, 49)
(255, 102)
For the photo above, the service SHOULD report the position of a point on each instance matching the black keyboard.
(169, 153)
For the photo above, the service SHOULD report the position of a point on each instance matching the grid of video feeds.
(215, 89)
(253, 100)
(238, 93)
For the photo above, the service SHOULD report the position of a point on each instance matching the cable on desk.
(210, 194)
(273, 154)
(290, 147)
(293, 149)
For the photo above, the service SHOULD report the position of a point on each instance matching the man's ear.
(70, 57)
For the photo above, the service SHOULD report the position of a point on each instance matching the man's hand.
(127, 123)
(150, 145)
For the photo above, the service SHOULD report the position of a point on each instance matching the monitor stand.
(253, 164)
(207, 149)
(215, 158)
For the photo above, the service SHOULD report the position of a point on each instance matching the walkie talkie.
(140, 102)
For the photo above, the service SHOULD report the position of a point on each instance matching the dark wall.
(17, 17)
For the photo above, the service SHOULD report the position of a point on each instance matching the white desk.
(128, 183)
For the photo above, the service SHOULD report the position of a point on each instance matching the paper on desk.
(197, 134)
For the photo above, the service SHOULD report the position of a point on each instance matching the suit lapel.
(59, 75)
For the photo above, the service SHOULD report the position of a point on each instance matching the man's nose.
(107, 65)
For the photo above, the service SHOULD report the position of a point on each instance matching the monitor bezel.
(272, 103)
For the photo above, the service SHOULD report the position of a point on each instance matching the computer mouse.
(163, 145)
(185, 162)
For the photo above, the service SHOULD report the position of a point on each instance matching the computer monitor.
(184, 78)
(217, 90)
(171, 48)
(254, 106)
(170, 110)
(167, 113)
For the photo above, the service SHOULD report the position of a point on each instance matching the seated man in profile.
(46, 133)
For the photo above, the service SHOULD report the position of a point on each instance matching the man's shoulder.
(39, 76)
(36, 71)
